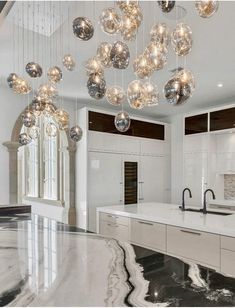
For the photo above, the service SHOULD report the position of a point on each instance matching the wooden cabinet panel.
(195, 245)
(222, 119)
(196, 124)
(105, 123)
(228, 262)
(148, 234)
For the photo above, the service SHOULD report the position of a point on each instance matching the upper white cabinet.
(103, 142)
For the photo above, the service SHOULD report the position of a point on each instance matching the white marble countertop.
(171, 214)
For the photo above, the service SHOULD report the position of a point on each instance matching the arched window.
(43, 163)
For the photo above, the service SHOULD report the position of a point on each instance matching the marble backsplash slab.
(229, 186)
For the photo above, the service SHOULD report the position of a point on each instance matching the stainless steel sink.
(208, 212)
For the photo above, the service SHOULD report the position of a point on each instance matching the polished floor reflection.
(46, 263)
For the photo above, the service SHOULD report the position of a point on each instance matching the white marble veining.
(42, 266)
(171, 214)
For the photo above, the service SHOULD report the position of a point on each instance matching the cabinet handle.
(111, 216)
(191, 232)
(141, 182)
(110, 225)
(141, 199)
(145, 223)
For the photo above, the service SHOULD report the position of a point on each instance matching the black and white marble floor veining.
(45, 263)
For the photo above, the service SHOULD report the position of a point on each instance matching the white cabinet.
(105, 186)
(152, 179)
(228, 255)
(201, 247)
(225, 162)
(114, 226)
(148, 234)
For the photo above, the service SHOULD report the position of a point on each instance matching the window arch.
(45, 163)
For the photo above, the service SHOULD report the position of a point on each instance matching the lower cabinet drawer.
(114, 219)
(228, 243)
(202, 247)
(119, 232)
(228, 262)
(148, 234)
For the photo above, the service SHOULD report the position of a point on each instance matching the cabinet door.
(152, 184)
(104, 183)
(116, 231)
(148, 234)
(202, 247)
(195, 176)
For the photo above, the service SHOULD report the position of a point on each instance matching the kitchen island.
(206, 239)
(47, 263)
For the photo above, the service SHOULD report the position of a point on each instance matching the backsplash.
(229, 186)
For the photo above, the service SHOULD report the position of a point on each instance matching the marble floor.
(46, 263)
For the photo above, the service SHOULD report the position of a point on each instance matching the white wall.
(11, 106)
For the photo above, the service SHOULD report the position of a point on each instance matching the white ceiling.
(212, 59)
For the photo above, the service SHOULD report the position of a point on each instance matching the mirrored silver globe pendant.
(28, 119)
(34, 132)
(103, 54)
(115, 95)
(68, 62)
(83, 28)
(207, 8)
(33, 69)
(166, 6)
(51, 129)
(75, 133)
(24, 139)
(181, 39)
(120, 55)
(11, 79)
(135, 94)
(96, 86)
(122, 121)
(177, 92)
(151, 94)
(54, 74)
(110, 21)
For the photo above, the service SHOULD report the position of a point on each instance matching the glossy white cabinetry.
(152, 184)
(105, 183)
(148, 234)
(199, 246)
(225, 162)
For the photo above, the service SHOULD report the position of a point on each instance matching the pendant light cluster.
(46, 93)
(125, 21)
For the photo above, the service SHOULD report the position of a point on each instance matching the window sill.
(47, 201)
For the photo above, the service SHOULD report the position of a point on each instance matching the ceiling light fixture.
(220, 85)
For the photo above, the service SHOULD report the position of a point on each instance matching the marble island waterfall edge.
(44, 265)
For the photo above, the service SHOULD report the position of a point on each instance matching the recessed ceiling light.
(220, 85)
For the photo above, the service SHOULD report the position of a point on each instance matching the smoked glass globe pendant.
(122, 121)
(83, 28)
